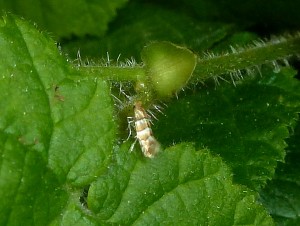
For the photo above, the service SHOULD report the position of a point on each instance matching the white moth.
(149, 145)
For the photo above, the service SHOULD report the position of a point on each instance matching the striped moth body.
(149, 145)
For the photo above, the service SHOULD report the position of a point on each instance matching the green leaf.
(282, 195)
(56, 127)
(60, 160)
(29, 191)
(180, 186)
(266, 15)
(236, 39)
(67, 18)
(246, 124)
(145, 23)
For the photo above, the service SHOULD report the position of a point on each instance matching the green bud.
(168, 67)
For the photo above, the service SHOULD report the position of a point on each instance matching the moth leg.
(132, 145)
(130, 122)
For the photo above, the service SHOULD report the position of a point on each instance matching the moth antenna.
(122, 92)
(117, 100)
(129, 97)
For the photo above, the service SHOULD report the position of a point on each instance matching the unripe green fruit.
(168, 67)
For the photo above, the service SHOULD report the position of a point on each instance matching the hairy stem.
(116, 73)
(246, 58)
(210, 66)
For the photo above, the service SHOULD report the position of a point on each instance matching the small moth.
(149, 145)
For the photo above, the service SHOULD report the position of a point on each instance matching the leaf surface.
(282, 195)
(246, 124)
(131, 31)
(180, 186)
(56, 129)
(66, 18)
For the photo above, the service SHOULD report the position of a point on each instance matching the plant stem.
(211, 66)
(247, 58)
(115, 73)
